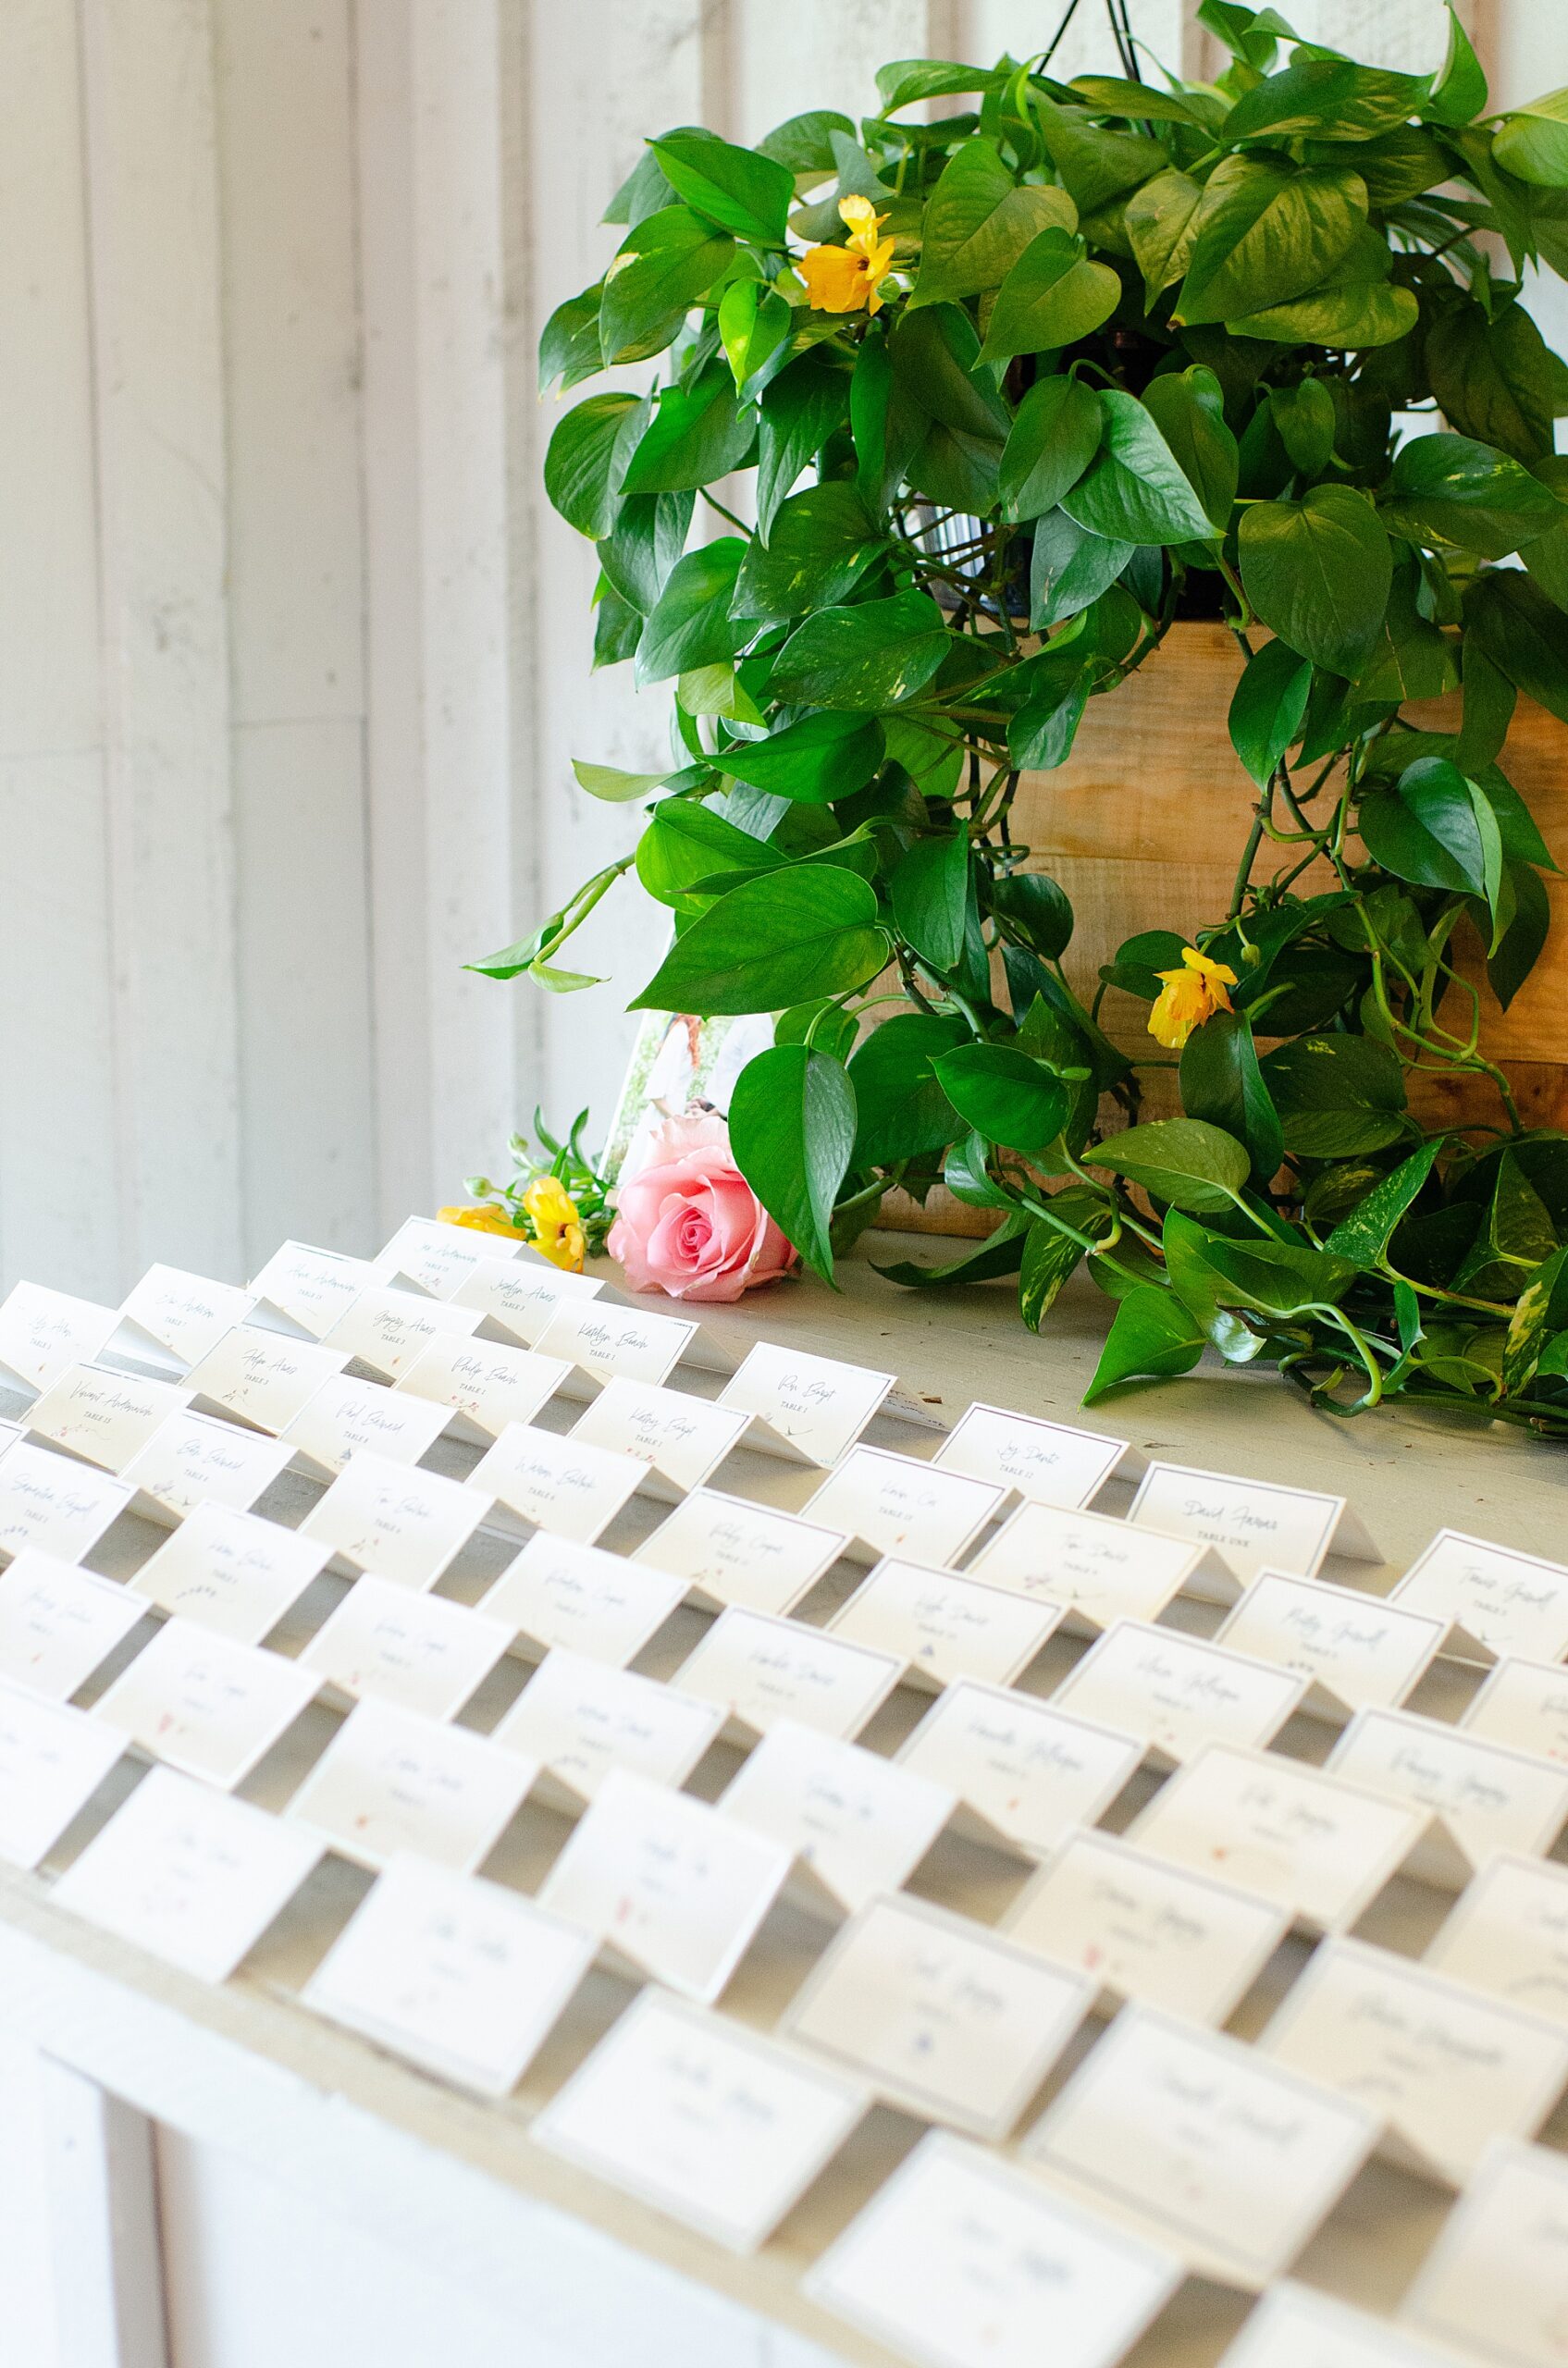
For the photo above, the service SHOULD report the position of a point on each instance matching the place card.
(1492, 2283)
(486, 1383)
(459, 1975)
(391, 1780)
(673, 1888)
(55, 1503)
(1312, 1843)
(1509, 1602)
(204, 1703)
(1142, 1928)
(58, 1623)
(1099, 1569)
(728, 1550)
(1025, 1771)
(563, 1484)
(261, 1378)
(580, 1719)
(1176, 1693)
(51, 1761)
(1254, 1525)
(1489, 1797)
(45, 1333)
(193, 1876)
(233, 1571)
(758, 1669)
(406, 1525)
(181, 1316)
(895, 1504)
(1297, 2327)
(1356, 1649)
(685, 1439)
(516, 1298)
(1507, 1934)
(557, 1592)
(605, 1340)
(859, 1822)
(1446, 2069)
(386, 1330)
(435, 1258)
(1524, 1704)
(1235, 2160)
(348, 1418)
(816, 1405)
(191, 1460)
(944, 2018)
(943, 1627)
(422, 1651)
(959, 2261)
(305, 1291)
(104, 1417)
(1047, 1463)
(704, 2120)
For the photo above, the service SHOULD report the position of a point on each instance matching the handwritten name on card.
(516, 1298)
(191, 1460)
(231, 1571)
(1511, 1602)
(1254, 1525)
(563, 1484)
(1176, 1693)
(1490, 1798)
(1030, 1772)
(557, 1592)
(818, 1405)
(685, 1439)
(860, 1822)
(1497, 2263)
(1358, 1649)
(50, 1502)
(204, 1703)
(45, 1333)
(943, 1627)
(391, 1780)
(60, 1623)
(899, 1504)
(1524, 1704)
(51, 1761)
(347, 1418)
(757, 1670)
(580, 1719)
(406, 1525)
(423, 1651)
(1097, 1568)
(103, 1417)
(605, 1341)
(439, 1257)
(1508, 1936)
(310, 1289)
(485, 1383)
(182, 1313)
(386, 1330)
(1048, 1464)
(262, 1378)
(734, 1552)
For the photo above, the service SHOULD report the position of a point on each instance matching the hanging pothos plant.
(1017, 389)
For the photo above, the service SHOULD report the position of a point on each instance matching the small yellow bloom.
(840, 279)
(483, 1219)
(1187, 997)
(558, 1233)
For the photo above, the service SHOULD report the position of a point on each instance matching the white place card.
(45, 1333)
(672, 1887)
(1233, 2159)
(486, 1383)
(386, 1330)
(818, 1406)
(516, 1298)
(1524, 1704)
(1178, 1693)
(202, 1704)
(685, 1439)
(1509, 1602)
(943, 1627)
(757, 1670)
(1448, 2071)
(1298, 2326)
(560, 1593)
(406, 1525)
(347, 1418)
(232, 1572)
(51, 1761)
(262, 1378)
(1099, 1569)
(58, 1623)
(960, 2261)
(580, 1719)
(702, 2119)
(1508, 1935)
(305, 1291)
(561, 1485)
(191, 1460)
(1142, 1928)
(944, 2018)
(459, 1975)
(193, 1876)
(1313, 1843)
(179, 1314)
(728, 1550)
(391, 1780)
(1492, 2284)
(103, 1417)
(423, 1651)
(52, 1502)
(1489, 1797)
(1027, 1773)
(437, 1258)
(1253, 1524)
(895, 1504)
(1047, 1463)
(604, 1341)
(1356, 1649)
(860, 1822)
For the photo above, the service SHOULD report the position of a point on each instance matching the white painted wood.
(28, 2328)
(107, 2274)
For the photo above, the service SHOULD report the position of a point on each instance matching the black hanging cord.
(1121, 33)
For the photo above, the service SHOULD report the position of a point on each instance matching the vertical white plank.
(831, 57)
(103, 2225)
(1024, 27)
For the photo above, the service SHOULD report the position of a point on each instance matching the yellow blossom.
(1187, 997)
(558, 1233)
(483, 1218)
(840, 279)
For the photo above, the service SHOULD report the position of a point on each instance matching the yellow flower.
(1187, 997)
(483, 1219)
(558, 1233)
(840, 279)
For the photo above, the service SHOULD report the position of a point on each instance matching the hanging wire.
(1121, 33)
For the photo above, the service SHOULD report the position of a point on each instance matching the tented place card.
(1048, 1464)
(942, 1627)
(757, 1670)
(420, 1650)
(560, 1593)
(897, 1505)
(191, 1875)
(438, 1258)
(262, 1378)
(103, 1417)
(818, 1406)
(516, 1298)
(51, 1761)
(959, 2261)
(486, 1383)
(1026, 1771)
(1525, 1704)
(1508, 1935)
(563, 1484)
(1489, 1797)
(730, 1551)
(348, 1418)
(675, 1888)
(943, 2017)
(1142, 1928)
(1510, 1603)
(1254, 1525)
(54, 1503)
(305, 1290)
(702, 2119)
(1356, 1649)
(193, 1459)
(386, 1330)
(685, 1439)
(1176, 1693)
(604, 1341)
(1232, 2159)
(58, 1623)
(179, 1315)
(1448, 2071)
(391, 1780)
(231, 1571)
(1297, 2327)
(45, 1333)
(1313, 1844)
(1099, 1569)
(580, 1719)
(204, 1705)
(406, 1525)
(1492, 2283)
(860, 1822)
(455, 1973)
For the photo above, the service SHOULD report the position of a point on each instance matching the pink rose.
(687, 1222)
